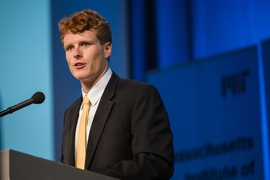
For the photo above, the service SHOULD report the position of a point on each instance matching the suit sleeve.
(152, 147)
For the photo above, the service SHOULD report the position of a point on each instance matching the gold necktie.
(81, 141)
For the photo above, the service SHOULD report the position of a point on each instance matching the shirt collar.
(97, 90)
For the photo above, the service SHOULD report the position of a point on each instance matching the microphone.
(37, 98)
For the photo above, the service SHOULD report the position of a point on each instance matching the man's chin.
(79, 77)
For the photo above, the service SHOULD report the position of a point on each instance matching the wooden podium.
(19, 166)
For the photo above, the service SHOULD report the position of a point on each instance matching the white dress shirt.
(94, 96)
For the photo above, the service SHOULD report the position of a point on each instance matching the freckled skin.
(87, 59)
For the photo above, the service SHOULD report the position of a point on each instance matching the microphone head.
(38, 98)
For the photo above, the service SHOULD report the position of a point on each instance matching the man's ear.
(108, 49)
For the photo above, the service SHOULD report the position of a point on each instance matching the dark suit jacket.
(130, 137)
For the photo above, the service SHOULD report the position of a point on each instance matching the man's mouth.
(79, 65)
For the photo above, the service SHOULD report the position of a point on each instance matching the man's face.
(86, 57)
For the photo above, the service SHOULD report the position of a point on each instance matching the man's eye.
(69, 48)
(85, 44)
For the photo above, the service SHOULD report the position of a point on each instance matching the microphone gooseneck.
(37, 98)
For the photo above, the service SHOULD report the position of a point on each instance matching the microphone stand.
(37, 98)
(16, 107)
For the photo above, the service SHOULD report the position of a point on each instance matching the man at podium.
(117, 127)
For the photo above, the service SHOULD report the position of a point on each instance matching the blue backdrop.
(148, 36)
(214, 108)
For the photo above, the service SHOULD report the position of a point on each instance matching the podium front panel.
(19, 166)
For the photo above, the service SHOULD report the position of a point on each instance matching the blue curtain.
(169, 33)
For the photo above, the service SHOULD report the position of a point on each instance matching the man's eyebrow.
(67, 45)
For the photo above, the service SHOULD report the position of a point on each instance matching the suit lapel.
(74, 114)
(100, 119)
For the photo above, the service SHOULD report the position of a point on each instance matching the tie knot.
(86, 100)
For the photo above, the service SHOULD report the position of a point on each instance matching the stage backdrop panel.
(214, 110)
(25, 68)
(266, 109)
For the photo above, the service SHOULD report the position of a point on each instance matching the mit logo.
(235, 83)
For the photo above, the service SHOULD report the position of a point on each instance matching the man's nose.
(77, 53)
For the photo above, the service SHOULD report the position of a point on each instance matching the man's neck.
(87, 86)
